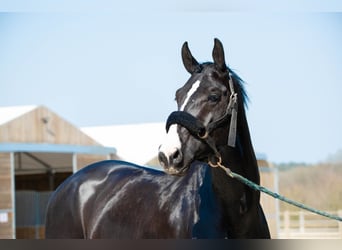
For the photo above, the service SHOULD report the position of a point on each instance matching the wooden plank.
(5, 200)
(5, 164)
(6, 181)
(6, 230)
(30, 232)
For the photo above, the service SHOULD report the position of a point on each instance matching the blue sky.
(123, 65)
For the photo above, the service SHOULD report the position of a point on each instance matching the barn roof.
(10, 113)
(39, 124)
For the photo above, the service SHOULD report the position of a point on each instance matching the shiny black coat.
(115, 199)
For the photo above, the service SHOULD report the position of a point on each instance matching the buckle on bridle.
(202, 135)
(218, 162)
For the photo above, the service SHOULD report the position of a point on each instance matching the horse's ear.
(218, 55)
(190, 63)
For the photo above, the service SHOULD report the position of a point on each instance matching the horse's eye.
(214, 98)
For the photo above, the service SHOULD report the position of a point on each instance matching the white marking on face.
(193, 89)
(172, 142)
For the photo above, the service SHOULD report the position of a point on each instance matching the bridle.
(203, 133)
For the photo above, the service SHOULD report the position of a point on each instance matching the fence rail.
(305, 225)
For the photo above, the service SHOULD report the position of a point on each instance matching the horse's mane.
(240, 85)
(249, 156)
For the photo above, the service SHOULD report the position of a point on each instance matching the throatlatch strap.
(233, 124)
(233, 108)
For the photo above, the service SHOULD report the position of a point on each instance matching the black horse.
(115, 199)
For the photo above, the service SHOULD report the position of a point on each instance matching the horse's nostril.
(176, 154)
(167, 160)
(162, 159)
(176, 157)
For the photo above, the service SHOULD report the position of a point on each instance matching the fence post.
(301, 221)
(339, 213)
(286, 215)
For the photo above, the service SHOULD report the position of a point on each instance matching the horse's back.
(114, 199)
(72, 205)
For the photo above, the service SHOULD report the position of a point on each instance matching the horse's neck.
(235, 197)
(244, 149)
(240, 159)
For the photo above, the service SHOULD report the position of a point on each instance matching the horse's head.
(205, 96)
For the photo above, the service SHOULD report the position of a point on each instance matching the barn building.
(38, 150)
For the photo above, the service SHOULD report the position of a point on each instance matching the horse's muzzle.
(171, 162)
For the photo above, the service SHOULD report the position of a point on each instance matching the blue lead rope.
(277, 196)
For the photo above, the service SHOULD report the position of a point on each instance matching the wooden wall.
(6, 230)
(41, 125)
